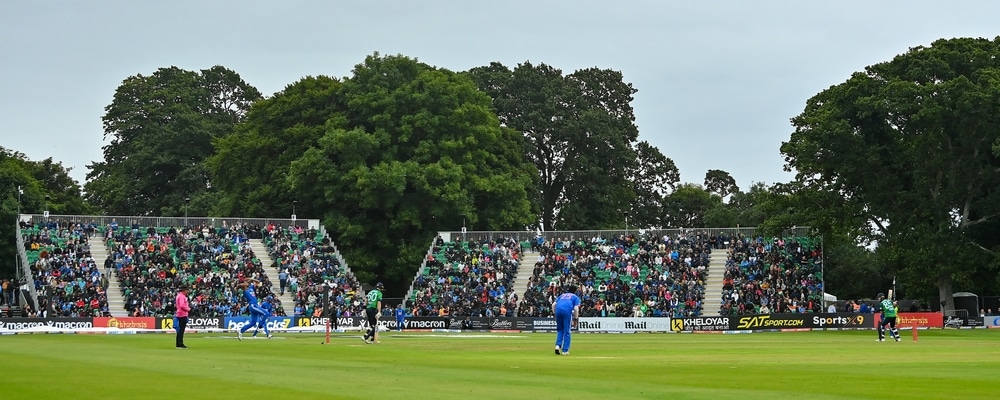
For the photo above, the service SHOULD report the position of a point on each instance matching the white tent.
(829, 298)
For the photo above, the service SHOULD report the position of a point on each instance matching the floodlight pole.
(626, 222)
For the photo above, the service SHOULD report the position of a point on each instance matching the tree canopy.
(905, 145)
(32, 187)
(579, 133)
(720, 183)
(654, 177)
(387, 157)
(251, 166)
(161, 128)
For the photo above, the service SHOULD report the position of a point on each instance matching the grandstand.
(321, 284)
(132, 269)
(649, 273)
(147, 258)
(60, 265)
(467, 278)
(777, 275)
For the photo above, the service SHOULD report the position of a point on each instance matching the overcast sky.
(717, 80)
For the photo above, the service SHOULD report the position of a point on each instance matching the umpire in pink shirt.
(183, 307)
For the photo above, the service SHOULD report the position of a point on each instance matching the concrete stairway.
(713, 283)
(524, 272)
(116, 303)
(260, 250)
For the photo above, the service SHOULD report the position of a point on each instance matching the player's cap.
(881, 295)
(379, 286)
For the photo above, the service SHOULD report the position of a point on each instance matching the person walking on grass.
(372, 312)
(183, 308)
(567, 308)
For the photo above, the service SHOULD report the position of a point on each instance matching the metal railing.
(799, 231)
(166, 222)
(24, 270)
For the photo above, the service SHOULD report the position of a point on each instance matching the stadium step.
(116, 303)
(524, 272)
(260, 250)
(713, 283)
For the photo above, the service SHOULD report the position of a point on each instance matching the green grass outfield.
(943, 364)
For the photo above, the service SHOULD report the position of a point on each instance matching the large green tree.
(653, 178)
(720, 182)
(687, 206)
(579, 132)
(905, 145)
(250, 167)
(387, 157)
(852, 270)
(742, 209)
(161, 128)
(32, 187)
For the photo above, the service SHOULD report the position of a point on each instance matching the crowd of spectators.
(152, 263)
(65, 275)
(468, 278)
(625, 276)
(308, 267)
(776, 275)
(633, 275)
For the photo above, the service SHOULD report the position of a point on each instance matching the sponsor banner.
(125, 322)
(771, 321)
(992, 322)
(16, 324)
(512, 324)
(803, 321)
(543, 324)
(420, 323)
(204, 323)
(920, 319)
(339, 323)
(273, 323)
(953, 321)
(839, 321)
(615, 324)
(501, 324)
(456, 323)
(193, 323)
(700, 324)
(389, 323)
(479, 324)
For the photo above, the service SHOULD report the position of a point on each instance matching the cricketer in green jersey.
(372, 312)
(888, 307)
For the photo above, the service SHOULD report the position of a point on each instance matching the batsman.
(372, 312)
(888, 308)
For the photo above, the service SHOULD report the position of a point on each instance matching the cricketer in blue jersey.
(268, 309)
(567, 309)
(400, 317)
(256, 313)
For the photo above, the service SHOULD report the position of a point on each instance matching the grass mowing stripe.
(818, 365)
